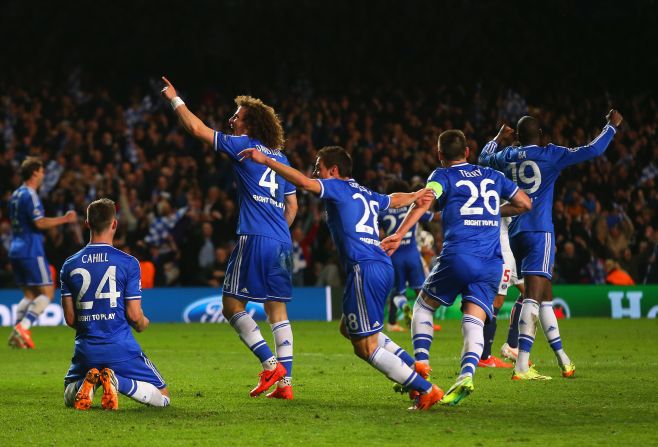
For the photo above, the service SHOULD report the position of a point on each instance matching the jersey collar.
(460, 165)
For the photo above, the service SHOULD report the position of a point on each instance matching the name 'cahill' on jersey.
(261, 191)
(352, 218)
(100, 279)
(24, 209)
(469, 199)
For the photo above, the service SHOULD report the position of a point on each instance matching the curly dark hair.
(262, 122)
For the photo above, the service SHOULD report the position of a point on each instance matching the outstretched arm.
(488, 155)
(193, 125)
(400, 199)
(570, 156)
(289, 173)
(48, 222)
(392, 242)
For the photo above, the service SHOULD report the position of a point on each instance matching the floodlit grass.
(339, 399)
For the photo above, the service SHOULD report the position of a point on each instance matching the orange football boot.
(282, 392)
(85, 395)
(425, 401)
(25, 335)
(110, 400)
(494, 362)
(267, 379)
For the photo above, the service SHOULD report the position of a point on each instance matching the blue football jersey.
(261, 191)
(100, 279)
(535, 169)
(470, 208)
(25, 208)
(352, 218)
(392, 219)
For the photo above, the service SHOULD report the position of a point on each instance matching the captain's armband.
(436, 187)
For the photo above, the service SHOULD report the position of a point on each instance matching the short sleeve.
(383, 200)
(134, 283)
(231, 145)
(437, 182)
(66, 291)
(508, 187)
(329, 188)
(33, 206)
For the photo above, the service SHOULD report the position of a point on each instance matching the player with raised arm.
(535, 169)
(352, 217)
(102, 299)
(260, 266)
(407, 262)
(470, 262)
(26, 253)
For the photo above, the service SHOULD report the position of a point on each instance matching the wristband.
(176, 102)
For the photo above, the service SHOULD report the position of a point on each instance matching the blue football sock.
(490, 334)
(513, 333)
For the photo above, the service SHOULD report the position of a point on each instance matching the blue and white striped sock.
(282, 332)
(142, 392)
(552, 331)
(396, 370)
(527, 331)
(250, 335)
(383, 341)
(422, 330)
(473, 332)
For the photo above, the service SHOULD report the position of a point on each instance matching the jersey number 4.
(270, 184)
(109, 278)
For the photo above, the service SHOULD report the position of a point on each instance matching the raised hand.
(614, 118)
(504, 134)
(71, 216)
(169, 92)
(391, 243)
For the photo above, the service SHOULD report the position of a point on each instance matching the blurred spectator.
(213, 275)
(571, 264)
(172, 191)
(617, 276)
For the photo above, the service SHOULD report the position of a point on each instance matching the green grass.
(340, 400)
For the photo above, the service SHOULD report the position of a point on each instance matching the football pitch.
(340, 400)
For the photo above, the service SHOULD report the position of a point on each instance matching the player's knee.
(361, 351)
(343, 331)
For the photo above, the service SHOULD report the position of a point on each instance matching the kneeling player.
(101, 297)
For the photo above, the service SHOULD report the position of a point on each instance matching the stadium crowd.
(176, 198)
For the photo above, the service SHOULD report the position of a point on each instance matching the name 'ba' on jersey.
(535, 169)
(469, 199)
(100, 279)
(352, 218)
(261, 192)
